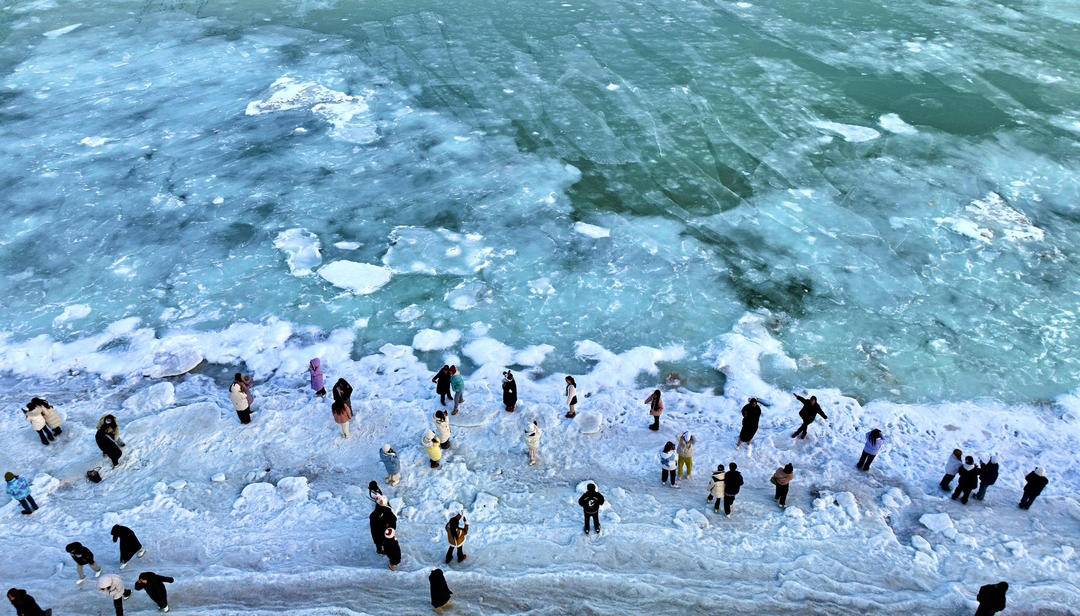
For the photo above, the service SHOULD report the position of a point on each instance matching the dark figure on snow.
(24, 604)
(442, 383)
(108, 445)
(590, 503)
(952, 466)
(440, 592)
(374, 491)
(342, 392)
(457, 529)
(380, 519)
(732, 484)
(129, 544)
(782, 479)
(154, 585)
(392, 548)
(991, 599)
(83, 557)
(751, 415)
(988, 475)
(969, 480)
(1035, 482)
(808, 413)
(509, 389)
(874, 441)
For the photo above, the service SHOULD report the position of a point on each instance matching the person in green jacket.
(457, 383)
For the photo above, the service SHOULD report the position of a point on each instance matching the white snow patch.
(613, 86)
(589, 422)
(94, 142)
(61, 31)
(72, 312)
(349, 115)
(592, 231)
(153, 398)
(346, 245)
(541, 287)
(293, 488)
(937, 522)
(358, 278)
(301, 248)
(434, 340)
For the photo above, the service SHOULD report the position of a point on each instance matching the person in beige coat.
(716, 488)
(112, 586)
(532, 441)
(44, 420)
(685, 449)
(241, 399)
(442, 427)
(782, 480)
(457, 529)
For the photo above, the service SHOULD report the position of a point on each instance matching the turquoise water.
(895, 183)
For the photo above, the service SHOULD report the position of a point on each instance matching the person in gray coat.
(952, 465)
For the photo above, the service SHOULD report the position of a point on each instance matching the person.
(732, 484)
(129, 544)
(391, 463)
(751, 416)
(440, 592)
(590, 503)
(108, 445)
(342, 413)
(782, 480)
(37, 424)
(457, 529)
(991, 599)
(442, 427)
(509, 389)
(318, 381)
(83, 557)
(431, 444)
(381, 518)
(716, 488)
(112, 428)
(442, 383)
(667, 464)
(532, 441)
(342, 391)
(685, 450)
(391, 548)
(457, 383)
(44, 420)
(19, 490)
(238, 395)
(988, 474)
(969, 480)
(571, 396)
(25, 604)
(112, 585)
(374, 491)
(154, 587)
(808, 413)
(1035, 482)
(656, 408)
(952, 465)
(874, 440)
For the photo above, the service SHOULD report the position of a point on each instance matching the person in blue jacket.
(874, 441)
(19, 489)
(390, 461)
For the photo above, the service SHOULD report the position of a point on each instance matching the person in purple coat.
(874, 441)
(318, 381)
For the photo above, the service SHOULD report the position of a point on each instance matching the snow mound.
(921, 544)
(301, 248)
(293, 488)
(486, 351)
(358, 278)
(593, 231)
(153, 398)
(174, 362)
(72, 312)
(937, 522)
(691, 519)
(894, 498)
(257, 498)
(589, 422)
(434, 340)
(484, 507)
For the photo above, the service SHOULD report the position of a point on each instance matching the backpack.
(93, 475)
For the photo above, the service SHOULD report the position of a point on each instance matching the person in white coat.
(238, 395)
(716, 488)
(668, 458)
(44, 420)
(442, 427)
(112, 586)
(532, 441)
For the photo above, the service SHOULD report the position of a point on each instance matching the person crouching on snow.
(130, 545)
(431, 444)
(113, 587)
(83, 557)
(457, 529)
(442, 426)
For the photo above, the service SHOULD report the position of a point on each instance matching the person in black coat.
(129, 544)
(442, 383)
(732, 484)
(154, 585)
(83, 557)
(751, 415)
(108, 446)
(991, 599)
(509, 389)
(1036, 481)
(440, 592)
(24, 604)
(969, 480)
(988, 475)
(808, 413)
(590, 502)
(392, 548)
(380, 519)
(342, 392)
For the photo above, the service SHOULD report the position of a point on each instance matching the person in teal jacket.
(457, 383)
(19, 490)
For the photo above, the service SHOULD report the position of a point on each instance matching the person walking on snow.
(457, 529)
(440, 592)
(1035, 482)
(571, 397)
(431, 444)
(381, 518)
(241, 398)
(113, 586)
(667, 464)
(732, 484)
(342, 392)
(19, 490)
(442, 428)
(590, 503)
(442, 383)
(656, 408)
(392, 548)
(988, 474)
(391, 463)
(154, 587)
(808, 413)
(318, 381)
(532, 441)
(129, 544)
(457, 383)
(25, 604)
(685, 451)
(83, 557)
(782, 480)
(374, 491)
(952, 465)
(108, 445)
(991, 599)
(751, 416)
(44, 420)
(716, 488)
(874, 440)
(112, 428)
(509, 391)
(342, 413)
(969, 480)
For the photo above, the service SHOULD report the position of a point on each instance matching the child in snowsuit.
(83, 557)
(391, 463)
(129, 544)
(434, 451)
(716, 488)
(532, 441)
(19, 490)
(154, 586)
(457, 529)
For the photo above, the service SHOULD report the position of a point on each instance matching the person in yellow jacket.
(434, 451)
(532, 441)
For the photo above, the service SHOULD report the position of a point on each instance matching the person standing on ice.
(782, 479)
(112, 428)
(571, 396)
(874, 441)
(318, 381)
(808, 413)
(129, 544)
(685, 451)
(751, 416)
(732, 484)
(83, 557)
(1034, 484)
(19, 491)
(391, 463)
(430, 443)
(381, 518)
(240, 398)
(969, 480)
(656, 408)
(392, 548)
(590, 503)
(668, 458)
(988, 474)
(457, 529)
(25, 604)
(440, 592)
(532, 441)
(991, 599)
(342, 413)
(442, 383)
(112, 585)
(509, 391)
(457, 383)
(342, 392)
(716, 488)
(154, 587)
(44, 420)
(442, 427)
(108, 445)
(952, 465)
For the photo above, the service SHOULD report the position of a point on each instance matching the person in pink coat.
(342, 416)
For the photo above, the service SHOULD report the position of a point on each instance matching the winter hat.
(103, 583)
(386, 448)
(390, 533)
(453, 369)
(8, 476)
(789, 468)
(1039, 471)
(373, 485)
